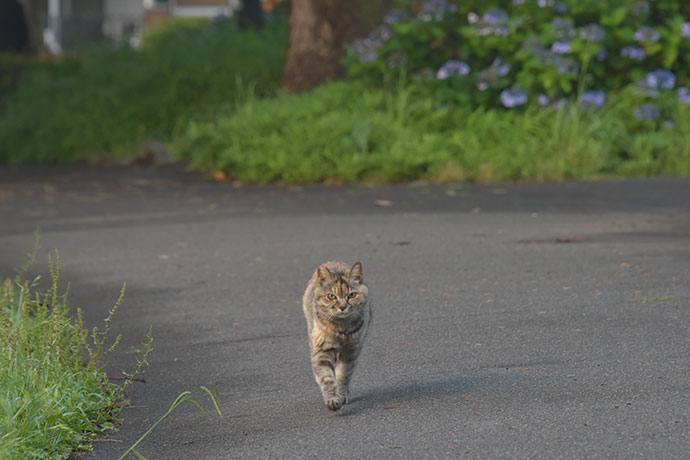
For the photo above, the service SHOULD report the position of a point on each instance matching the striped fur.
(338, 312)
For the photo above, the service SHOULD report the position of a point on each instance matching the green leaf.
(669, 56)
(615, 17)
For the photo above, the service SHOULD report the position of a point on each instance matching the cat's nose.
(342, 307)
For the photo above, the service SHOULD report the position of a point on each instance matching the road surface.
(511, 321)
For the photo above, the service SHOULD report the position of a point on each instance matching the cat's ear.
(355, 272)
(324, 274)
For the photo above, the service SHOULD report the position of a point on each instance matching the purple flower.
(366, 49)
(489, 77)
(534, 46)
(601, 55)
(563, 28)
(499, 31)
(451, 68)
(496, 16)
(592, 99)
(381, 34)
(683, 94)
(501, 67)
(436, 9)
(369, 55)
(646, 34)
(685, 30)
(560, 7)
(513, 97)
(518, 2)
(593, 33)
(633, 52)
(561, 47)
(543, 100)
(641, 7)
(493, 22)
(647, 112)
(661, 79)
(396, 16)
(565, 65)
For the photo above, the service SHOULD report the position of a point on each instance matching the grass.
(12, 65)
(54, 394)
(210, 92)
(345, 132)
(184, 397)
(55, 397)
(666, 298)
(101, 105)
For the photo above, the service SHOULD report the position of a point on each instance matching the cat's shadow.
(389, 397)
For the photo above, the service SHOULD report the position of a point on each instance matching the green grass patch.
(346, 132)
(666, 298)
(54, 394)
(100, 105)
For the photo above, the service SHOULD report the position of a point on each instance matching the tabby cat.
(338, 312)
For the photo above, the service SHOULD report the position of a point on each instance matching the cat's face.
(341, 295)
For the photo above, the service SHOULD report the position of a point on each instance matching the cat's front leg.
(345, 366)
(323, 365)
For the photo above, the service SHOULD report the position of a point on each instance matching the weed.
(666, 298)
(184, 397)
(346, 132)
(54, 394)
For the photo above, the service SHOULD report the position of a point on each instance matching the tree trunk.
(35, 36)
(319, 30)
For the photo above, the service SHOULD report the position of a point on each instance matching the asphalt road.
(512, 321)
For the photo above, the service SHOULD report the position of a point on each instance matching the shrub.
(11, 67)
(507, 53)
(346, 132)
(101, 104)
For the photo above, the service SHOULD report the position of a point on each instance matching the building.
(70, 23)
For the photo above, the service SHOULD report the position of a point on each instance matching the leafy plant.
(54, 394)
(102, 104)
(346, 132)
(508, 53)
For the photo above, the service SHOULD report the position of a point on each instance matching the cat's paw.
(345, 395)
(334, 402)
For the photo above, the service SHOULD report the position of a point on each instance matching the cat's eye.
(331, 296)
(352, 295)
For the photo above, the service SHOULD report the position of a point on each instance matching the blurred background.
(377, 91)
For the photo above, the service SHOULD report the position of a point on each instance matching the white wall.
(204, 11)
(123, 18)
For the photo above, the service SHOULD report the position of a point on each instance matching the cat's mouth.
(344, 313)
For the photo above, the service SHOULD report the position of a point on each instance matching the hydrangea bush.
(513, 53)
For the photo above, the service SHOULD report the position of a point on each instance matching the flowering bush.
(510, 53)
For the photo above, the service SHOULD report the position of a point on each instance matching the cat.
(338, 311)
